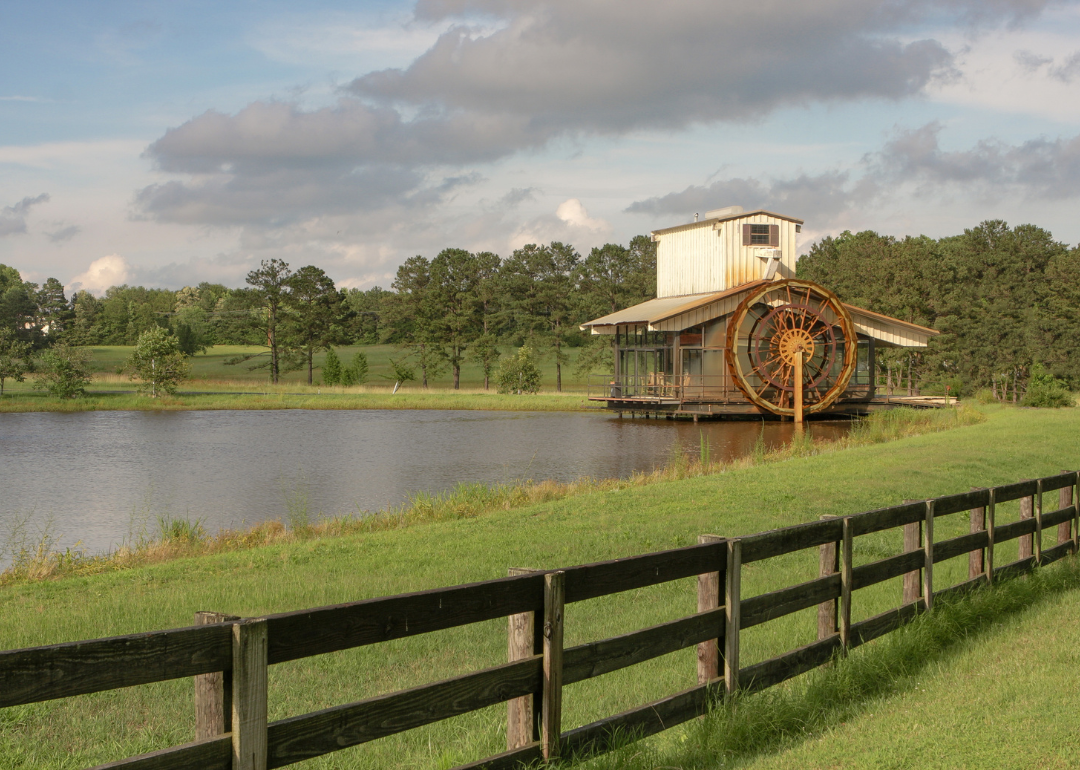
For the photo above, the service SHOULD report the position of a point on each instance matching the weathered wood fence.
(229, 656)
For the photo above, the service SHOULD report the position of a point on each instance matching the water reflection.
(101, 477)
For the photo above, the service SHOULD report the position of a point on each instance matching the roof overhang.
(678, 313)
(728, 218)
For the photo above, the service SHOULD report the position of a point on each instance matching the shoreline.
(338, 398)
(182, 538)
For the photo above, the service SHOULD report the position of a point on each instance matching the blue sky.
(170, 143)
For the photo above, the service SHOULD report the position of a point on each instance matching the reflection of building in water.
(732, 331)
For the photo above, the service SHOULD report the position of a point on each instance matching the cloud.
(614, 66)
(575, 215)
(507, 76)
(912, 161)
(571, 223)
(13, 218)
(821, 197)
(516, 197)
(1042, 169)
(112, 270)
(62, 234)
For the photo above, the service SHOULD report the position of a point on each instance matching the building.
(732, 331)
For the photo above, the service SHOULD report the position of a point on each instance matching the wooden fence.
(229, 656)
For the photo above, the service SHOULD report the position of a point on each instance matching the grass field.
(210, 368)
(1010, 445)
(215, 385)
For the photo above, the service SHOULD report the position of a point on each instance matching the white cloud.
(570, 224)
(575, 215)
(111, 270)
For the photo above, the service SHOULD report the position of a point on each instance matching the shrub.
(519, 374)
(985, 396)
(331, 369)
(355, 373)
(1046, 391)
(65, 370)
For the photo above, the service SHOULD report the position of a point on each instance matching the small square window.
(759, 234)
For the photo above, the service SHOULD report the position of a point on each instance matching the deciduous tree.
(158, 362)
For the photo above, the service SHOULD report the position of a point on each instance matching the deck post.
(798, 389)
(708, 598)
(213, 692)
(523, 641)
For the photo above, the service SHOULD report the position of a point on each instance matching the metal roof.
(656, 310)
(729, 218)
(884, 328)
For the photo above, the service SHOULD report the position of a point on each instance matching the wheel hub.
(792, 342)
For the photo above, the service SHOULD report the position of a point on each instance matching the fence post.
(551, 718)
(249, 694)
(828, 612)
(1027, 504)
(708, 598)
(845, 585)
(213, 692)
(978, 524)
(1065, 498)
(928, 549)
(990, 518)
(523, 641)
(912, 542)
(1038, 521)
(1076, 511)
(732, 615)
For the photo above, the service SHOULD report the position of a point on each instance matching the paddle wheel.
(791, 347)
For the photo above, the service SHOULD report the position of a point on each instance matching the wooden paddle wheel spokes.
(782, 328)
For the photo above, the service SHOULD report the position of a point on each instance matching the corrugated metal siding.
(890, 334)
(689, 261)
(709, 256)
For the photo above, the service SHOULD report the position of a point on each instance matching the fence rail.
(229, 656)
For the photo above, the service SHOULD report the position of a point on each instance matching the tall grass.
(180, 538)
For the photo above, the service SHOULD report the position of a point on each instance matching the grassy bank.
(597, 524)
(181, 538)
(211, 368)
(297, 397)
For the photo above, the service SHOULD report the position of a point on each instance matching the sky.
(168, 143)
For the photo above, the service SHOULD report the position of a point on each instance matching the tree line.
(1006, 302)
(455, 307)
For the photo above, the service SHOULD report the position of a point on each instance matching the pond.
(98, 479)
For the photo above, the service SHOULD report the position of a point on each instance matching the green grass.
(215, 385)
(607, 523)
(980, 682)
(210, 367)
